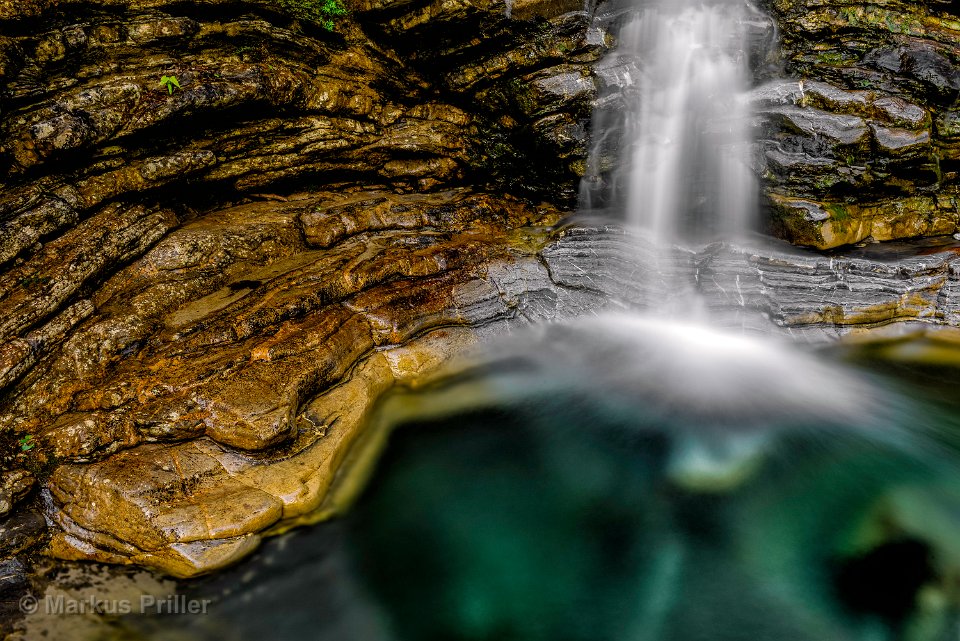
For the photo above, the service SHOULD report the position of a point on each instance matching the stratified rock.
(14, 486)
(294, 373)
(766, 280)
(188, 270)
(831, 224)
(895, 66)
(193, 507)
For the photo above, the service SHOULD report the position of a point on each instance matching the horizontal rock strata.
(206, 287)
(195, 505)
(264, 382)
(794, 290)
(863, 144)
(193, 264)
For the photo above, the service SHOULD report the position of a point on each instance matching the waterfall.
(681, 173)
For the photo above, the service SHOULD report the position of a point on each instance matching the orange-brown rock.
(263, 371)
(203, 289)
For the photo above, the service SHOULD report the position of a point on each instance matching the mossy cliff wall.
(869, 144)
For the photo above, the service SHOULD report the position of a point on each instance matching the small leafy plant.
(26, 443)
(170, 82)
(321, 12)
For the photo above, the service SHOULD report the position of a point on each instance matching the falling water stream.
(683, 163)
(671, 138)
(650, 477)
(633, 477)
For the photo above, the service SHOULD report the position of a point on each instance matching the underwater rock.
(637, 465)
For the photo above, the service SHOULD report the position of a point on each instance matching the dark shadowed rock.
(893, 64)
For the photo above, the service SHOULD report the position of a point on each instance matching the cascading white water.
(683, 170)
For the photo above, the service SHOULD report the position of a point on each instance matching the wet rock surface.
(273, 385)
(855, 116)
(204, 289)
(246, 438)
(817, 295)
(860, 144)
(192, 274)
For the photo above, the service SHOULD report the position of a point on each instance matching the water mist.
(641, 476)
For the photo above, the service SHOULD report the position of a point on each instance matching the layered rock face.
(864, 143)
(212, 279)
(206, 284)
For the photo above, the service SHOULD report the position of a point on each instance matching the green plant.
(170, 82)
(26, 443)
(321, 12)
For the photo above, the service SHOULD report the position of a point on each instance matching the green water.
(555, 522)
(519, 501)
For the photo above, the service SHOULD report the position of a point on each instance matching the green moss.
(948, 124)
(839, 215)
(945, 23)
(830, 58)
(839, 212)
(827, 182)
(876, 17)
(520, 92)
(321, 12)
(32, 282)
